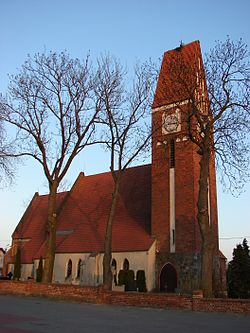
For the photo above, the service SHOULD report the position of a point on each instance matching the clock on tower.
(171, 122)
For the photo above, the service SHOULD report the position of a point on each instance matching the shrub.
(121, 277)
(141, 281)
(127, 277)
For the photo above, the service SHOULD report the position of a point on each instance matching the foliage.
(39, 271)
(126, 277)
(141, 281)
(121, 277)
(17, 266)
(238, 272)
(6, 163)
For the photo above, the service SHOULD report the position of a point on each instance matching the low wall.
(98, 295)
(240, 306)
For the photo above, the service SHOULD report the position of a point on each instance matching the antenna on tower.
(178, 48)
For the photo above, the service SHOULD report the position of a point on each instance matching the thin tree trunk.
(205, 227)
(50, 235)
(107, 273)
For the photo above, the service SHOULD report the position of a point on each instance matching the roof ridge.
(130, 168)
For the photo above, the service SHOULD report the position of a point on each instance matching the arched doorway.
(168, 279)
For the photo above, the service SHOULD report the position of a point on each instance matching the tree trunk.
(50, 235)
(107, 273)
(207, 249)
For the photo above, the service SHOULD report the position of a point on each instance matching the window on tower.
(173, 236)
(172, 154)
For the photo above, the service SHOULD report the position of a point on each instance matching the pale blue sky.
(130, 30)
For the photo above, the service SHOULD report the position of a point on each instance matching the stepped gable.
(183, 59)
(31, 228)
(82, 220)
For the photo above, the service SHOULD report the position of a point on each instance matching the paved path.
(30, 314)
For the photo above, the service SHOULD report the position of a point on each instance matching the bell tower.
(175, 168)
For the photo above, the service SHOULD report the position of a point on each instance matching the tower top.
(178, 73)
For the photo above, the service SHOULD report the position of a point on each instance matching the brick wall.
(241, 306)
(98, 295)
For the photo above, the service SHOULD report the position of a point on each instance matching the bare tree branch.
(51, 106)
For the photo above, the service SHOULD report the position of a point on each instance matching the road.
(34, 314)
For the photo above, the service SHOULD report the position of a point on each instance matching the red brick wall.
(187, 169)
(186, 189)
(241, 306)
(97, 295)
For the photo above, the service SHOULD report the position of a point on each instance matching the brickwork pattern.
(99, 296)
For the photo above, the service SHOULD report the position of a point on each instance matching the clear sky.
(130, 30)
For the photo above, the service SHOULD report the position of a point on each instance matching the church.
(155, 227)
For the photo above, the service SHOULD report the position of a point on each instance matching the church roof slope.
(83, 216)
(86, 212)
(30, 232)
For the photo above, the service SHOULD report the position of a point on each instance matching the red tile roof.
(30, 231)
(83, 216)
(180, 61)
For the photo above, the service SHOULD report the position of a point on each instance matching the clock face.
(171, 122)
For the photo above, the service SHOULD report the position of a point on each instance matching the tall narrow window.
(79, 266)
(69, 269)
(114, 270)
(173, 236)
(172, 154)
(126, 265)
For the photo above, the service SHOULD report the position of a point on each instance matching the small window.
(114, 264)
(69, 269)
(114, 271)
(79, 266)
(126, 265)
(173, 235)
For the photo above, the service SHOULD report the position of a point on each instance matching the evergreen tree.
(141, 281)
(17, 267)
(238, 273)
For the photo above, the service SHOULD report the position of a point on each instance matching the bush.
(121, 277)
(141, 281)
(130, 283)
(128, 279)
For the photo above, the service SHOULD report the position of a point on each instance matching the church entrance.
(168, 279)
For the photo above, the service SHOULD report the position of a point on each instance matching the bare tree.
(217, 122)
(125, 114)
(50, 103)
(6, 163)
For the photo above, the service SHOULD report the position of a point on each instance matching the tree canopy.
(238, 272)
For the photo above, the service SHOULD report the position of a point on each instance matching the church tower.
(175, 171)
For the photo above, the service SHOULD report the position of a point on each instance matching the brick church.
(155, 227)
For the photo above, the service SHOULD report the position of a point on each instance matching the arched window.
(114, 270)
(69, 269)
(79, 266)
(126, 265)
(113, 264)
